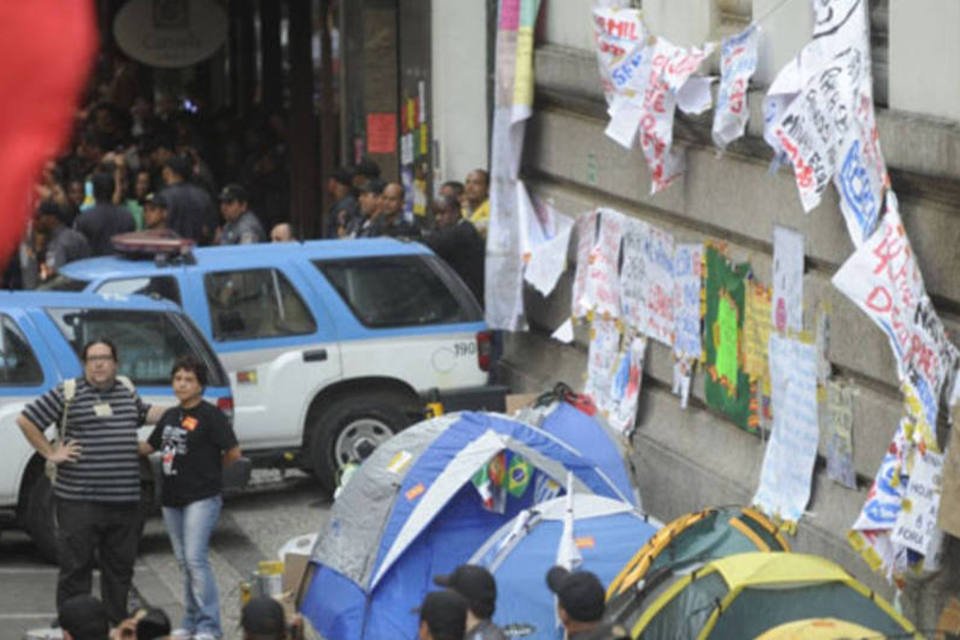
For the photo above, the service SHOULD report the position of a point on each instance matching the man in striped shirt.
(97, 487)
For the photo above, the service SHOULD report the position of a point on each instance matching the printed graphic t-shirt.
(192, 442)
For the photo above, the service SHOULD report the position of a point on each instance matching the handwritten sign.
(815, 126)
(792, 450)
(687, 287)
(646, 280)
(738, 61)
(883, 279)
(625, 385)
(882, 505)
(787, 279)
(601, 362)
(862, 177)
(916, 526)
(603, 281)
(619, 36)
(839, 433)
(757, 326)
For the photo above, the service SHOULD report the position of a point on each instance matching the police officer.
(241, 225)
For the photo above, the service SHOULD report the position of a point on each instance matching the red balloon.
(47, 47)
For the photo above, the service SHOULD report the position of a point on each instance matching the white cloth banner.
(586, 226)
(738, 61)
(603, 283)
(883, 279)
(880, 511)
(646, 280)
(548, 260)
(601, 361)
(787, 307)
(625, 385)
(687, 283)
(787, 470)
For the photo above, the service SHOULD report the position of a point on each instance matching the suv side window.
(18, 364)
(157, 286)
(255, 303)
(147, 341)
(400, 291)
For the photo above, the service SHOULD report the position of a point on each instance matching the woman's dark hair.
(106, 341)
(192, 364)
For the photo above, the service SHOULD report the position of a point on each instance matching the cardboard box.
(517, 401)
(294, 568)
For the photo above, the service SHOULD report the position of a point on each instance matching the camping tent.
(606, 532)
(412, 511)
(747, 594)
(820, 629)
(589, 435)
(699, 537)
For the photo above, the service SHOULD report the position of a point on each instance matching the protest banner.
(726, 385)
(625, 384)
(883, 279)
(602, 287)
(738, 61)
(787, 279)
(601, 362)
(687, 286)
(787, 470)
(916, 525)
(839, 433)
(757, 326)
(618, 34)
(513, 104)
(646, 280)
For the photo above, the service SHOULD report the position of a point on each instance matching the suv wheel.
(350, 428)
(39, 517)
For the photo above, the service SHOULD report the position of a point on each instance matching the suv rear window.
(401, 291)
(147, 341)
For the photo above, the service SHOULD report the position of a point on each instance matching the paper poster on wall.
(602, 287)
(646, 280)
(883, 279)
(626, 383)
(810, 130)
(787, 470)
(602, 362)
(738, 61)
(381, 132)
(787, 279)
(757, 327)
(726, 384)
(687, 287)
(916, 525)
(617, 33)
(839, 433)
(548, 260)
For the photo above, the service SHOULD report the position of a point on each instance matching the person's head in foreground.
(443, 616)
(580, 598)
(84, 617)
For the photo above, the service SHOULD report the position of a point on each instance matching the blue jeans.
(190, 528)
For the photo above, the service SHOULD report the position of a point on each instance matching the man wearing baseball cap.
(83, 617)
(443, 616)
(241, 225)
(580, 601)
(479, 589)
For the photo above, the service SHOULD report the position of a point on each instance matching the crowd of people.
(168, 167)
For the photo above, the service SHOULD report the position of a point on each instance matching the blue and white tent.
(412, 512)
(606, 534)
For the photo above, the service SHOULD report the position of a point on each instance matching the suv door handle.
(315, 355)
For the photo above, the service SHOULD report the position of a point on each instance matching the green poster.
(726, 384)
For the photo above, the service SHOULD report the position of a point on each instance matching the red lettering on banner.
(888, 249)
(737, 95)
(880, 300)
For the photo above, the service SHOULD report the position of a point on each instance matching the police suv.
(331, 346)
(41, 336)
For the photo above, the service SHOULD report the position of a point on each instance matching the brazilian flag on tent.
(518, 475)
(726, 385)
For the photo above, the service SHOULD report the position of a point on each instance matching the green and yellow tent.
(820, 629)
(745, 595)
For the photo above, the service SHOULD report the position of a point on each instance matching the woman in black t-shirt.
(195, 440)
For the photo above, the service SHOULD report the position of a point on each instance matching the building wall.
(459, 96)
(689, 459)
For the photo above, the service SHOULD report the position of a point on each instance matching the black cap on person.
(580, 593)
(474, 583)
(84, 617)
(263, 616)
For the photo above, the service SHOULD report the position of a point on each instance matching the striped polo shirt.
(108, 469)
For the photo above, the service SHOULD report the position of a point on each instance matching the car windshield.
(60, 282)
(147, 342)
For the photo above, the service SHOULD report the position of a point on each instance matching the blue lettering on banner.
(623, 73)
(857, 191)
